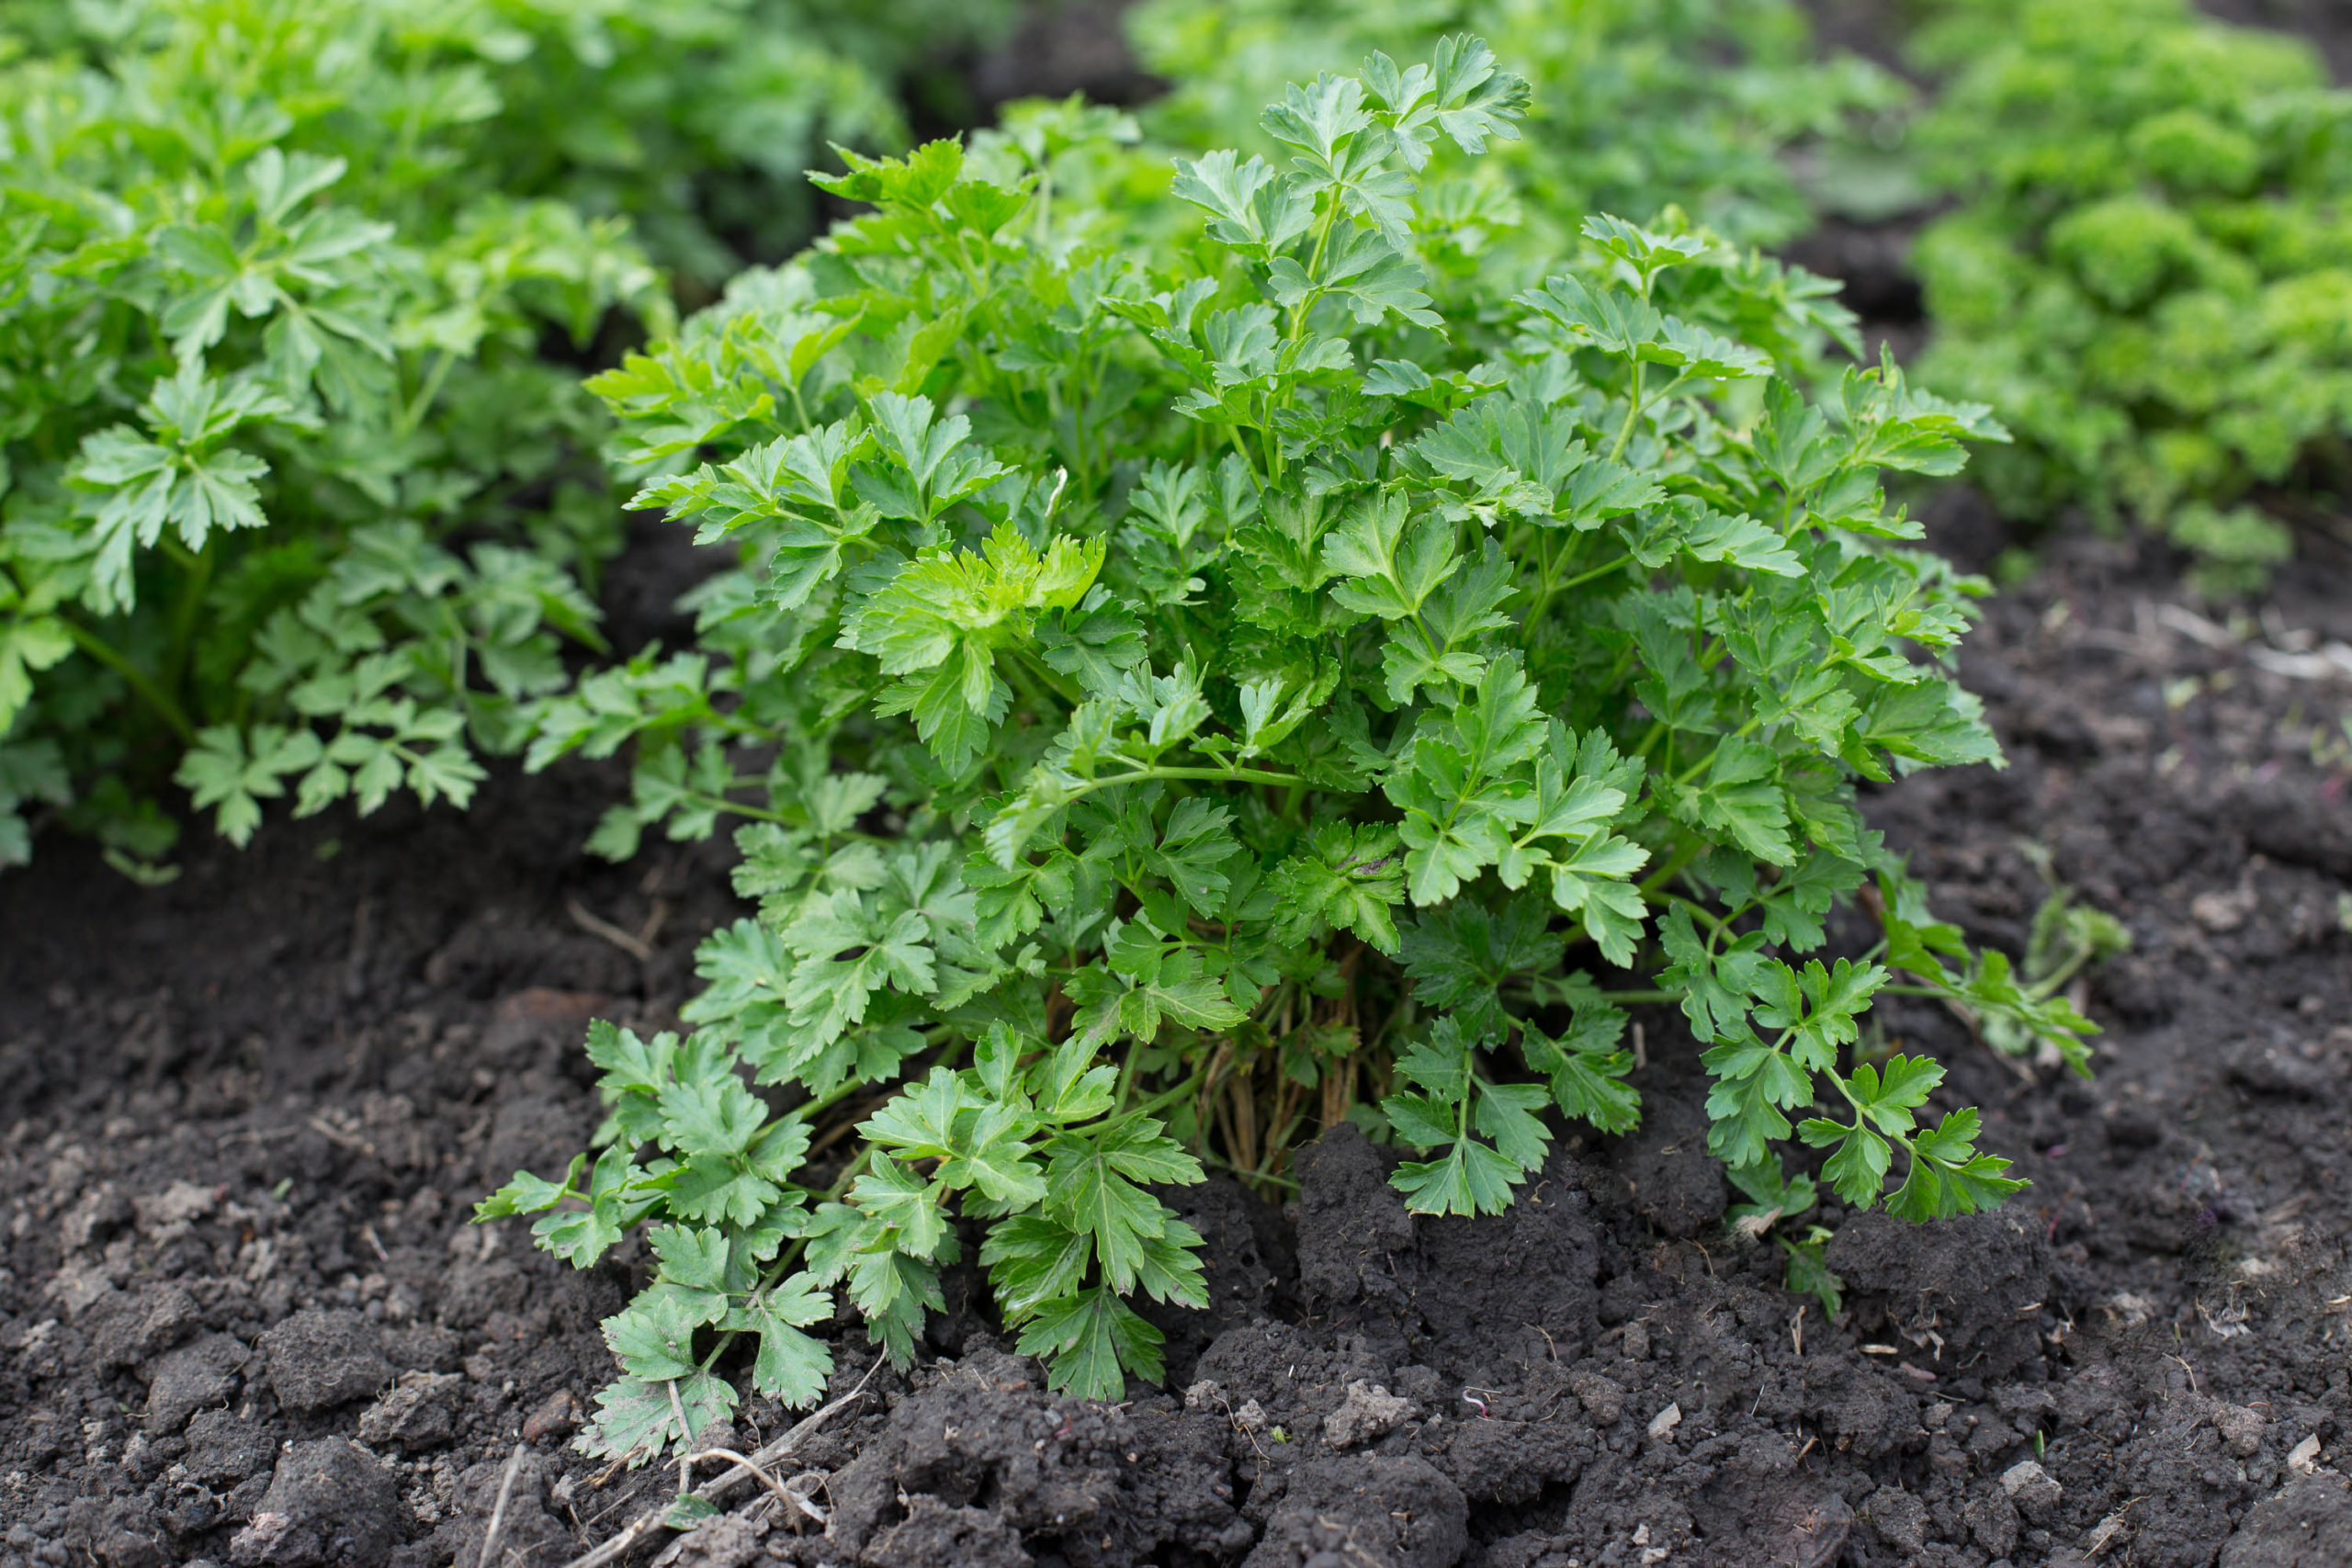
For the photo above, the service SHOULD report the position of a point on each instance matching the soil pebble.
(223, 1449)
(127, 1329)
(2307, 1525)
(417, 1414)
(322, 1359)
(187, 1380)
(1402, 1511)
(1368, 1412)
(330, 1503)
(935, 1532)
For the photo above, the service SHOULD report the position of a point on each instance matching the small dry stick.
(498, 1511)
(685, 1465)
(634, 946)
(647, 1523)
(785, 1494)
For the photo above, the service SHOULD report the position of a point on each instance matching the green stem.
(720, 803)
(1313, 267)
(1700, 766)
(1211, 1157)
(1469, 1086)
(1156, 1103)
(184, 615)
(791, 1255)
(1682, 857)
(1721, 926)
(1210, 776)
(1632, 413)
(1126, 1079)
(830, 1099)
(153, 696)
(1553, 589)
(1054, 680)
(2049, 984)
(1584, 576)
(422, 404)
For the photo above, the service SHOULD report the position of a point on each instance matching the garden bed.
(250, 1112)
(243, 1318)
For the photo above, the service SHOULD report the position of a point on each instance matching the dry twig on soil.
(711, 1491)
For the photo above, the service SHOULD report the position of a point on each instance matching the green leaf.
(712, 1118)
(1587, 1070)
(1394, 562)
(694, 1258)
(1948, 1175)
(1092, 1186)
(1807, 1275)
(1032, 1260)
(235, 772)
(790, 1365)
(1090, 1342)
(1349, 880)
(1856, 1172)
(1473, 1179)
(581, 1237)
(1176, 992)
(636, 1419)
(655, 1338)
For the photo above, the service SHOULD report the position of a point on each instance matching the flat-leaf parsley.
(1184, 684)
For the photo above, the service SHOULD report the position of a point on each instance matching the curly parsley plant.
(2147, 271)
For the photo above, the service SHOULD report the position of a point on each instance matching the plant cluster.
(1185, 683)
(1636, 104)
(2146, 273)
(292, 495)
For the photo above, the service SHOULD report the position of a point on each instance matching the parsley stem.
(790, 1256)
(1156, 1103)
(1213, 1158)
(1690, 850)
(1632, 413)
(685, 1460)
(184, 612)
(413, 414)
(1695, 769)
(827, 1099)
(153, 696)
(1211, 775)
(1702, 912)
(1580, 579)
(2050, 984)
(1054, 680)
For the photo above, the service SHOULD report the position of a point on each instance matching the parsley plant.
(2147, 272)
(279, 277)
(1184, 684)
(1635, 104)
